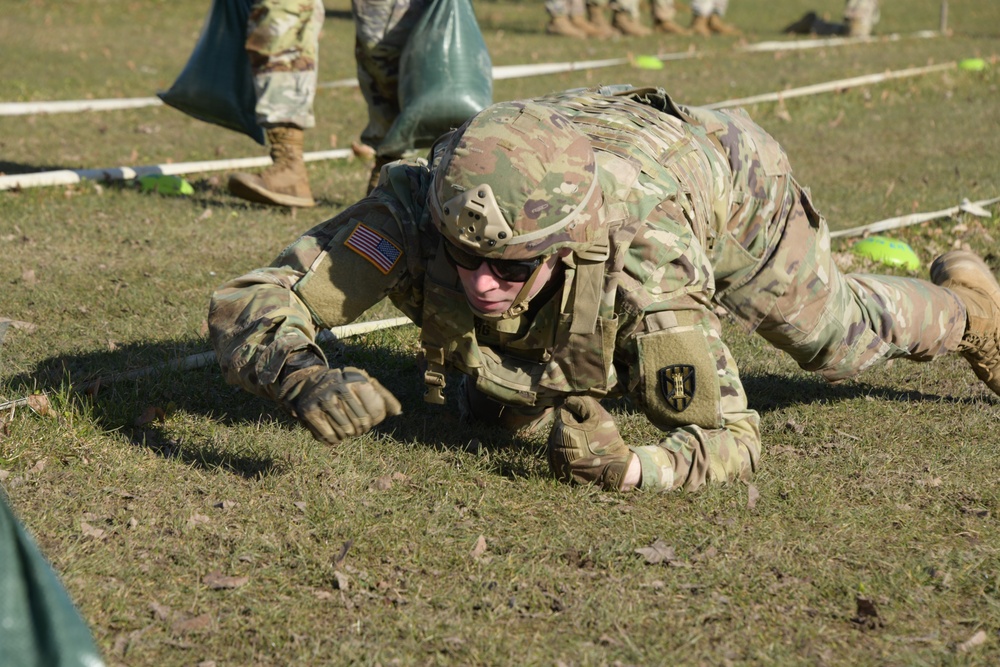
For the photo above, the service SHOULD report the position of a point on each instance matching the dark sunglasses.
(508, 270)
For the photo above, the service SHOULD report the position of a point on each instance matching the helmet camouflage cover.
(518, 181)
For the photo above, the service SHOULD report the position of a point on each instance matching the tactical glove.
(336, 404)
(585, 447)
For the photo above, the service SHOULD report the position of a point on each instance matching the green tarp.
(39, 626)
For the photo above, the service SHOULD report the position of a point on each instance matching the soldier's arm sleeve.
(681, 372)
(326, 278)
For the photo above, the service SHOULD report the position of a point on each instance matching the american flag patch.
(374, 247)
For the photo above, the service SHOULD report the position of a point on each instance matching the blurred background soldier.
(569, 19)
(572, 247)
(283, 45)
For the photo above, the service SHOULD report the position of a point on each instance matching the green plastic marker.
(647, 62)
(888, 251)
(165, 185)
(972, 64)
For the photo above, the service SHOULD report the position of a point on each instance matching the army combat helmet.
(519, 181)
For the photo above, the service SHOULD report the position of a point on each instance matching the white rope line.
(912, 219)
(70, 176)
(829, 86)
(500, 73)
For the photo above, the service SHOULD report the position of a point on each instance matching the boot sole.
(254, 193)
(960, 266)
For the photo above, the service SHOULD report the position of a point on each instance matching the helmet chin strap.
(520, 302)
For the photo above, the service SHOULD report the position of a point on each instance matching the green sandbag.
(39, 626)
(216, 85)
(445, 77)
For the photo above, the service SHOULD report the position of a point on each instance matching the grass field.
(196, 525)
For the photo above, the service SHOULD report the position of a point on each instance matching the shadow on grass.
(133, 403)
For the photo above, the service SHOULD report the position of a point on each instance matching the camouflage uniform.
(664, 10)
(565, 7)
(864, 12)
(699, 209)
(382, 28)
(283, 45)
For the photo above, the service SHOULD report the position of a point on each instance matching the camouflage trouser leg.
(283, 45)
(381, 30)
(630, 7)
(865, 11)
(709, 7)
(664, 10)
(838, 325)
(558, 8)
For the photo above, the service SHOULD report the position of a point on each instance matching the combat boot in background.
(669, 27)
(284, 183)
(599, 20)
(580, 22)
(699, 26)
(561, 25)
(720, 27)
(968, 276)
(629, 26)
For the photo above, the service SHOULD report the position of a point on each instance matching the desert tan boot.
(581, 23)
(968, 276)
(699, 26)
(561, 25)
(285, 182)
(670, 27)
(627, 25)
(599, 20)
(717, 25)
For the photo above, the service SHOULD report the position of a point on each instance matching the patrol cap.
(518, 181)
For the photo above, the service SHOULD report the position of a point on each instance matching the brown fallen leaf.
(28, 278)
(160, 611)
(383, 483)
(198, 519)
(218, 581)
(91, 531)
(658, 552)
(340, 581)
(480, 548)
(752, 495)
(27, 327)
(867, 615)
(151, 414)
(39, 403)
(196, 624)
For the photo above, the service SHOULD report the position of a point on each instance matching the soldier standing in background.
(560, 250)
(283, 45)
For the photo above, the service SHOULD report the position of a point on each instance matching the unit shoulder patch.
(677, 384)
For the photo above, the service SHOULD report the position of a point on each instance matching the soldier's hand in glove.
(336, 404)
(585, 447)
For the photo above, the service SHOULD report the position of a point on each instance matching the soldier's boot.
(717, 25)
(968, 276)
(599, 19)
(284, 183)
(561, 25)
(804, 26)
(699, 26)
(373, 177)
(670, 27)
(581, 23)
(629, 26)
(859, 27)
